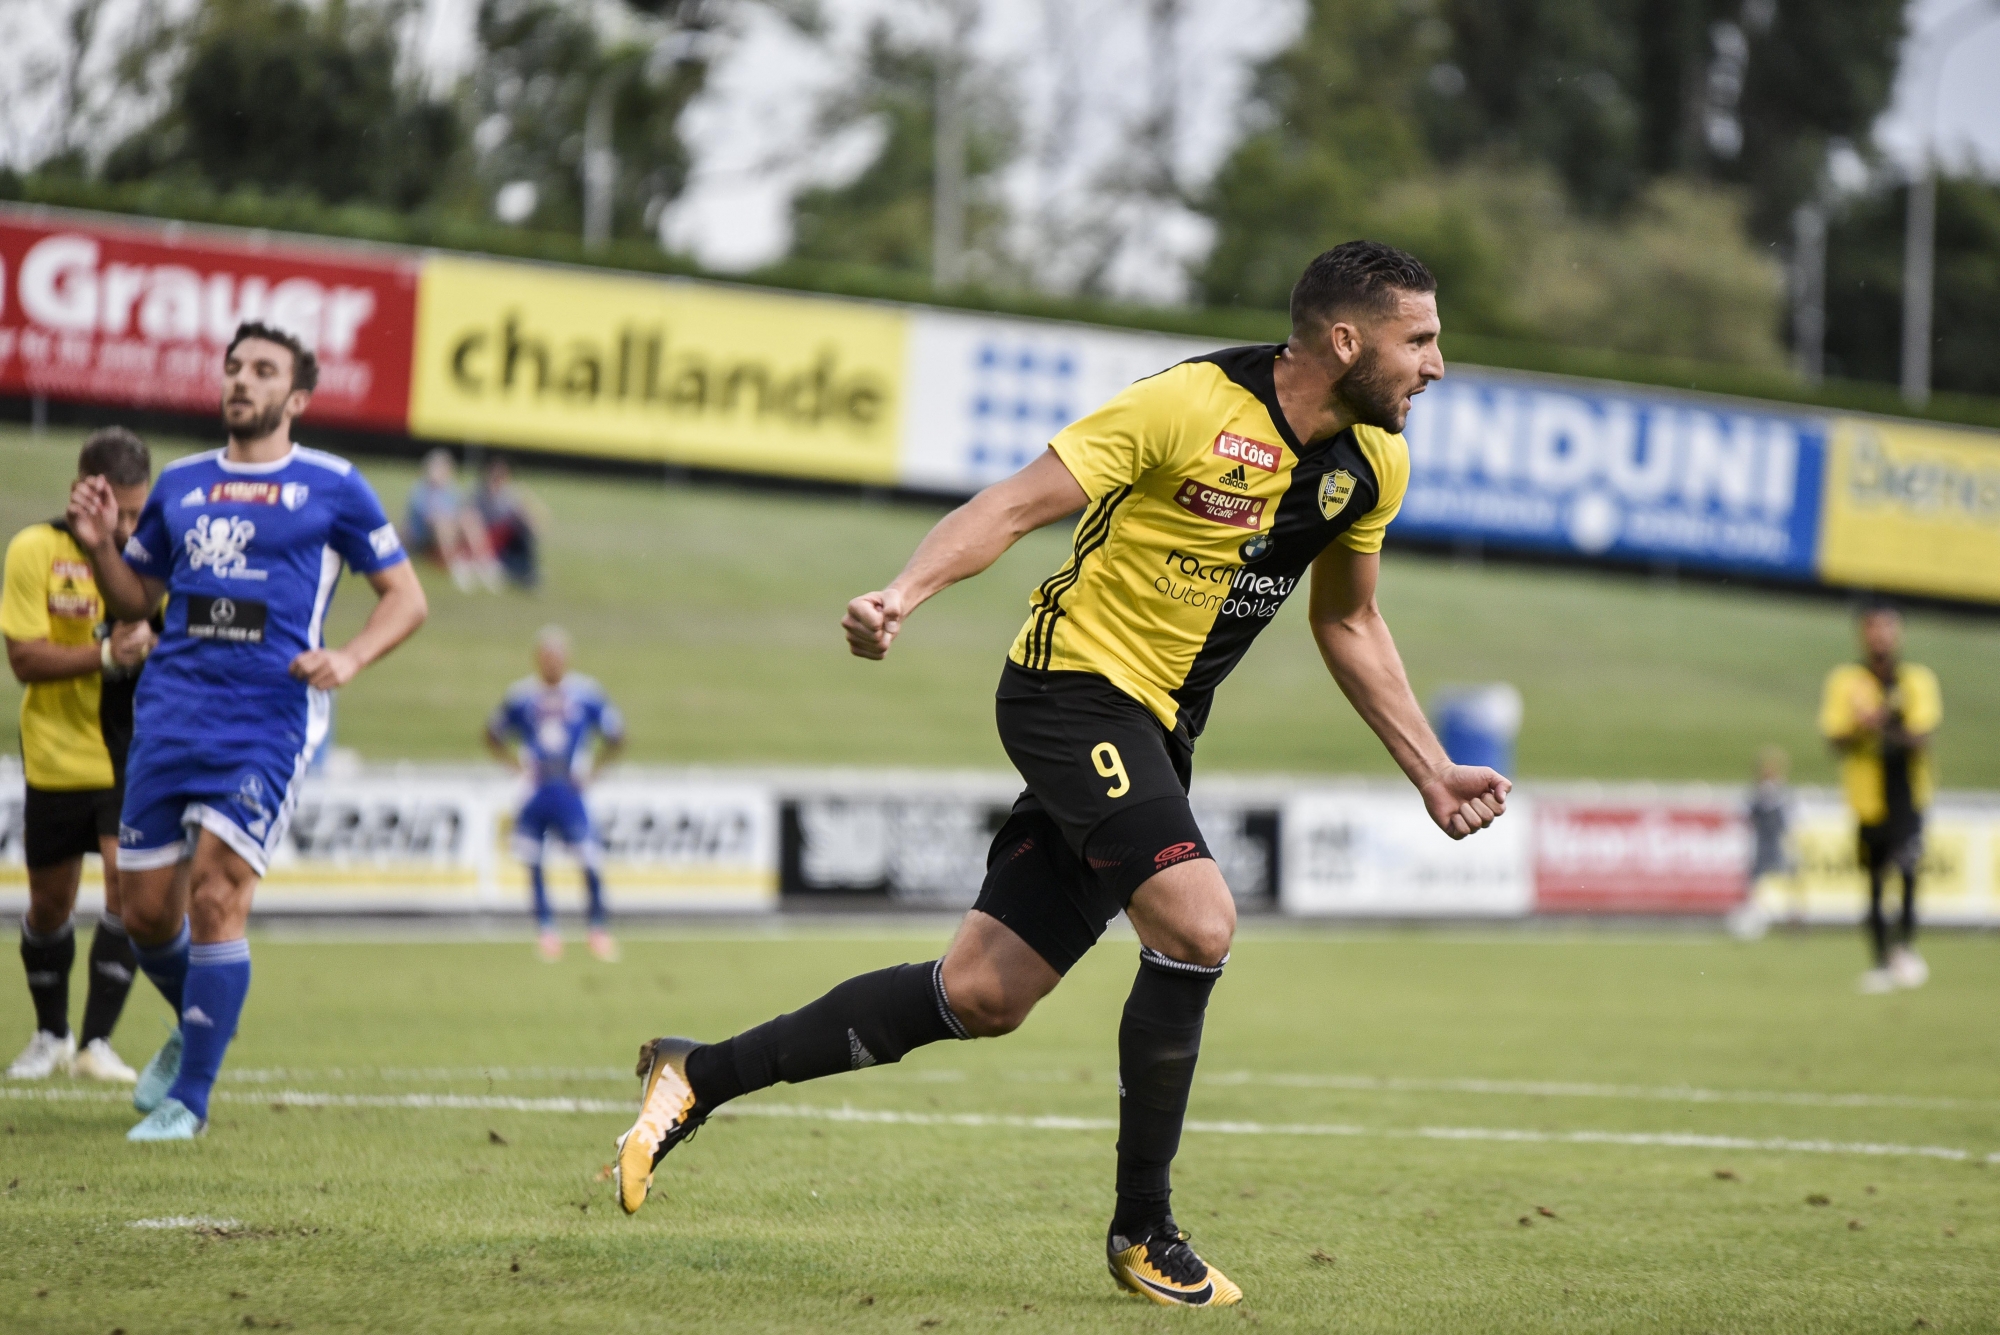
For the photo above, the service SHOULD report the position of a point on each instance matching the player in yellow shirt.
(1880, 714)
(1208, 493)
(76, 724)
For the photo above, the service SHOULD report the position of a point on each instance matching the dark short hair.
(1354, 274)
(1877, 606)
(117, 456)
(305, 366)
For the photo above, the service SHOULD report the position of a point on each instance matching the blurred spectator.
(514, 520)
(1770, 814)
(1880, 714)
(441, 525)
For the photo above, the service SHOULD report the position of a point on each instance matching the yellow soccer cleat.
(666, 1118)
(1164, 1268)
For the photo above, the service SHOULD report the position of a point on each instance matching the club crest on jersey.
(1336, 489)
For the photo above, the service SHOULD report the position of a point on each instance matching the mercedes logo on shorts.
(222, 611)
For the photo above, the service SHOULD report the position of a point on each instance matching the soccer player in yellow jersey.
(76, 723)
(1208, 492)
(1879, 714)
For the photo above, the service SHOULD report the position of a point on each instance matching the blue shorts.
(555, 809)
(243, 792)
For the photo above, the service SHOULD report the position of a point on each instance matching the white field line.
(185, 1221)
(1359, 1084)
(893, 1117)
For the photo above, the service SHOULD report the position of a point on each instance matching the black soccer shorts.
(67, 824)
(1898, 844)
(1105, 809)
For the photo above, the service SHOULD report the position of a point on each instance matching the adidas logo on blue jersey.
(195, 497)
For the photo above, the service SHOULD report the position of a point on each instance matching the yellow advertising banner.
(643, 368)
(1912, 508)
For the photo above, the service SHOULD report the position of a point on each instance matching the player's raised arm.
(93, 522)
(965, 542)
(1361, 654)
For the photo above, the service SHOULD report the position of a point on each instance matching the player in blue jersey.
(247, 543)
(553, 716)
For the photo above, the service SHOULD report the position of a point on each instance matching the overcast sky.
(1083, 69)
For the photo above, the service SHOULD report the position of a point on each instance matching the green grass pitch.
(711, 615)
(1391, 1132)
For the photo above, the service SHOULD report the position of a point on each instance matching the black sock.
(1158, 1041)
(872, 1020)
(1909, 924)
(47, 956)
(113, 966)
(1878, 930)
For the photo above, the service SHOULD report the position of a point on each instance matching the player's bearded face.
(249, 420)
(1374, 394)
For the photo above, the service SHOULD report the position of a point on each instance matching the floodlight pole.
(1920, 222)
(600, 163)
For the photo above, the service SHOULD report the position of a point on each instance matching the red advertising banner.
(139, 316)
(1633, 857)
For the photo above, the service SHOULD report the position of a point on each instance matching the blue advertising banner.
(1610, 473)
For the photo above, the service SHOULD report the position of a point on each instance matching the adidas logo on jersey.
(195, 497)
(1234, 478)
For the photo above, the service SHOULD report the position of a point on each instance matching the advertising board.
(1374, 852)
(1912, 508)
(410, 840)
(1958, 878)
(1633, 852)
(1603, 471)
(139, 316)
(634, 367)
(986, 392)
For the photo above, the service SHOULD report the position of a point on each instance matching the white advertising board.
(985, 393)
(412, 840)
(1366, 852)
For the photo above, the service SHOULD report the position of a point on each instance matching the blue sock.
(594, 883)
(217, 981)
(544, 915)
(167, 965)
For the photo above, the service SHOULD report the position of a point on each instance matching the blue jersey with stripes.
(554, 724)
(250, 554)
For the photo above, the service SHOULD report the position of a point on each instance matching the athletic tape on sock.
(1148, 955)
(950, 1017)
(55, 938)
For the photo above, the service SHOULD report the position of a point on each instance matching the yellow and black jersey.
(1853, 690)
(51, 595)
(1205, 512)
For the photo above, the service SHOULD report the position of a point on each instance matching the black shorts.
(67, 824)
(1898, 844)
(1105, 809)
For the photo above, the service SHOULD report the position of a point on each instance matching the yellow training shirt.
(1852, 690)
(51, 595)
(1205, 512)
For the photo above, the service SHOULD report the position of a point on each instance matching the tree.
(1616, 93)
(541, 65)
(282, 97)
(882, 216)
(1864, 287)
